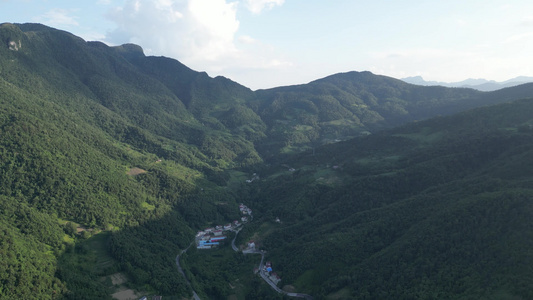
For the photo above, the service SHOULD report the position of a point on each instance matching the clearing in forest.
(136, 171)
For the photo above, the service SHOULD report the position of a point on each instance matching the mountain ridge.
(364, 160)
(478, 84)
(372, 198)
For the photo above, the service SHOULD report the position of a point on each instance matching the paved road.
(233, 241)
(195, 296)
(262, 273)
(300, 296)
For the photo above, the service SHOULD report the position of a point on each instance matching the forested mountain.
(435, 209)
(345, 105)
(478, 84)
(110, 160)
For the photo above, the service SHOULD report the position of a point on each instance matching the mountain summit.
(477, 84)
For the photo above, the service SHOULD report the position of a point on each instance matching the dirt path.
(125, 295)
(118, 279)
(122, 292)
(136, 171)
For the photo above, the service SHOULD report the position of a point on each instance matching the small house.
(275, 278)
(217, 238)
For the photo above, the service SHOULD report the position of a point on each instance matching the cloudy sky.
(267, 43)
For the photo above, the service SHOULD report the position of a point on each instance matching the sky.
(267, 43)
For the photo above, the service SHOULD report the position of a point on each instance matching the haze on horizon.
(268, 43)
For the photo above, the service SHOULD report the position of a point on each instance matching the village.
(212, 237)
(268, 273)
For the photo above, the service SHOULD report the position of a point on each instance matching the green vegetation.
(111, 160)
(224, 273)
(75, 119)
(84, 267)
(441, 219)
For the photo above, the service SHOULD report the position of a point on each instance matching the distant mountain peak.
(415, 80)
(11, 36)
(130, 50)
(480, 84)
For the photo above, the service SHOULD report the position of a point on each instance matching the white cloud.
(200, 33)
(246, 39)
(58, 17)
(450, 65)
(92, 36)
(216, 23)
(461, 22)
(421, 53)
(527, 21)
(257, 6)
(190, 30)
(519, 37)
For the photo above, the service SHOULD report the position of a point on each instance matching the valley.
(362, 186)
(211, 239)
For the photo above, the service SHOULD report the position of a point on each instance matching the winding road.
(195, 296)
(262, 272)
(233, 241)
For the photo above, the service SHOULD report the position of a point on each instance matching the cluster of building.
(213, 236)
(271, 275)
(245, 210)
(251, 245)
(207, 241)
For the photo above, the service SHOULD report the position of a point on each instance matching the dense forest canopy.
(111, 160)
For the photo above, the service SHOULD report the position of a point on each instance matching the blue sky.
(267, 43)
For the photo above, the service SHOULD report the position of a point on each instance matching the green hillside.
(434, 209)
(110, 161)
(77, 122)
(352, 104)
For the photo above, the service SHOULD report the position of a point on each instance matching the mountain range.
(477, 84)
(111, 160)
